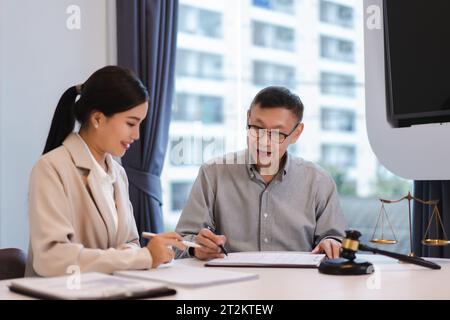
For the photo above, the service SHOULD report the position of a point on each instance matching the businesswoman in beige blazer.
(80, 214)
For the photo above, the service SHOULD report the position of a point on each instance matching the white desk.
(391, 280)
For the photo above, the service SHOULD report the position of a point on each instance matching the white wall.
(39, 59)
(416, 153)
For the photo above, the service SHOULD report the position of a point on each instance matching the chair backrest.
(12, 263)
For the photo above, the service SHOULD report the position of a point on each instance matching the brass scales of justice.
(426, 240)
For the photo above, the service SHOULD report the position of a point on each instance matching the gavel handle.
(414, 260)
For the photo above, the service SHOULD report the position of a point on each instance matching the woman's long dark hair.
(109, 90)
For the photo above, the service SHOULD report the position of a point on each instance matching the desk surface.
(391, 280)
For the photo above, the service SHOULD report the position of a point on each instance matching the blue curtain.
(146, 41)
(431, 190)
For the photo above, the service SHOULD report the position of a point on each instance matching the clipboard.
(93, 286)
(268, 259)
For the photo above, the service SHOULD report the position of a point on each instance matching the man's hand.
(210, 245)
(331, 247)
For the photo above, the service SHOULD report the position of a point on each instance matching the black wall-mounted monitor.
(417, 52)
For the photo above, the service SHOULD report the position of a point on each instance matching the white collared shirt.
(106, 180)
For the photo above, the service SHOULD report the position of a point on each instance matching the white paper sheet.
(188, 276)
(269, 259)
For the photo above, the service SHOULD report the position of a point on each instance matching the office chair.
(12, 263)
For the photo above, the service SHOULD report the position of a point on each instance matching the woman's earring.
(96, 126)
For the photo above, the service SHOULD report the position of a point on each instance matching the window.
(337, 120)
(286, 6)
(191, 107)
(179, 193)
(337, 14)
(213, 90)
(339, 156)
(266, 73)
(199, 64)
(337, 49)
(272, 36)
(200, 22)
(337, 84)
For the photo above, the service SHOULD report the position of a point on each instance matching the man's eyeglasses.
(274, 134)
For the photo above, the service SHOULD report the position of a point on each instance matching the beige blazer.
(71, 226)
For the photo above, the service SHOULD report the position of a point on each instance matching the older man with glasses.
(263, 198)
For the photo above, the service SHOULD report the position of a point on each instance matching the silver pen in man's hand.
(220, 245)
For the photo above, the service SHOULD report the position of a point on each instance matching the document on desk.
(186, 276)
(268, 259)
(88, 286)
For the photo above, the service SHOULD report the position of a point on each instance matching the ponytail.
(109, 90)
(63, 121)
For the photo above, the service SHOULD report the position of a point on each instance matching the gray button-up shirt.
(296, 210)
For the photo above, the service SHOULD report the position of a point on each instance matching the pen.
(220, 245)
(149, 235)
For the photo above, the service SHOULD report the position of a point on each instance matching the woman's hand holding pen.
(160, 247)
(210, 243)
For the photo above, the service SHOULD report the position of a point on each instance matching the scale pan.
(383, 241)
(435, 242)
